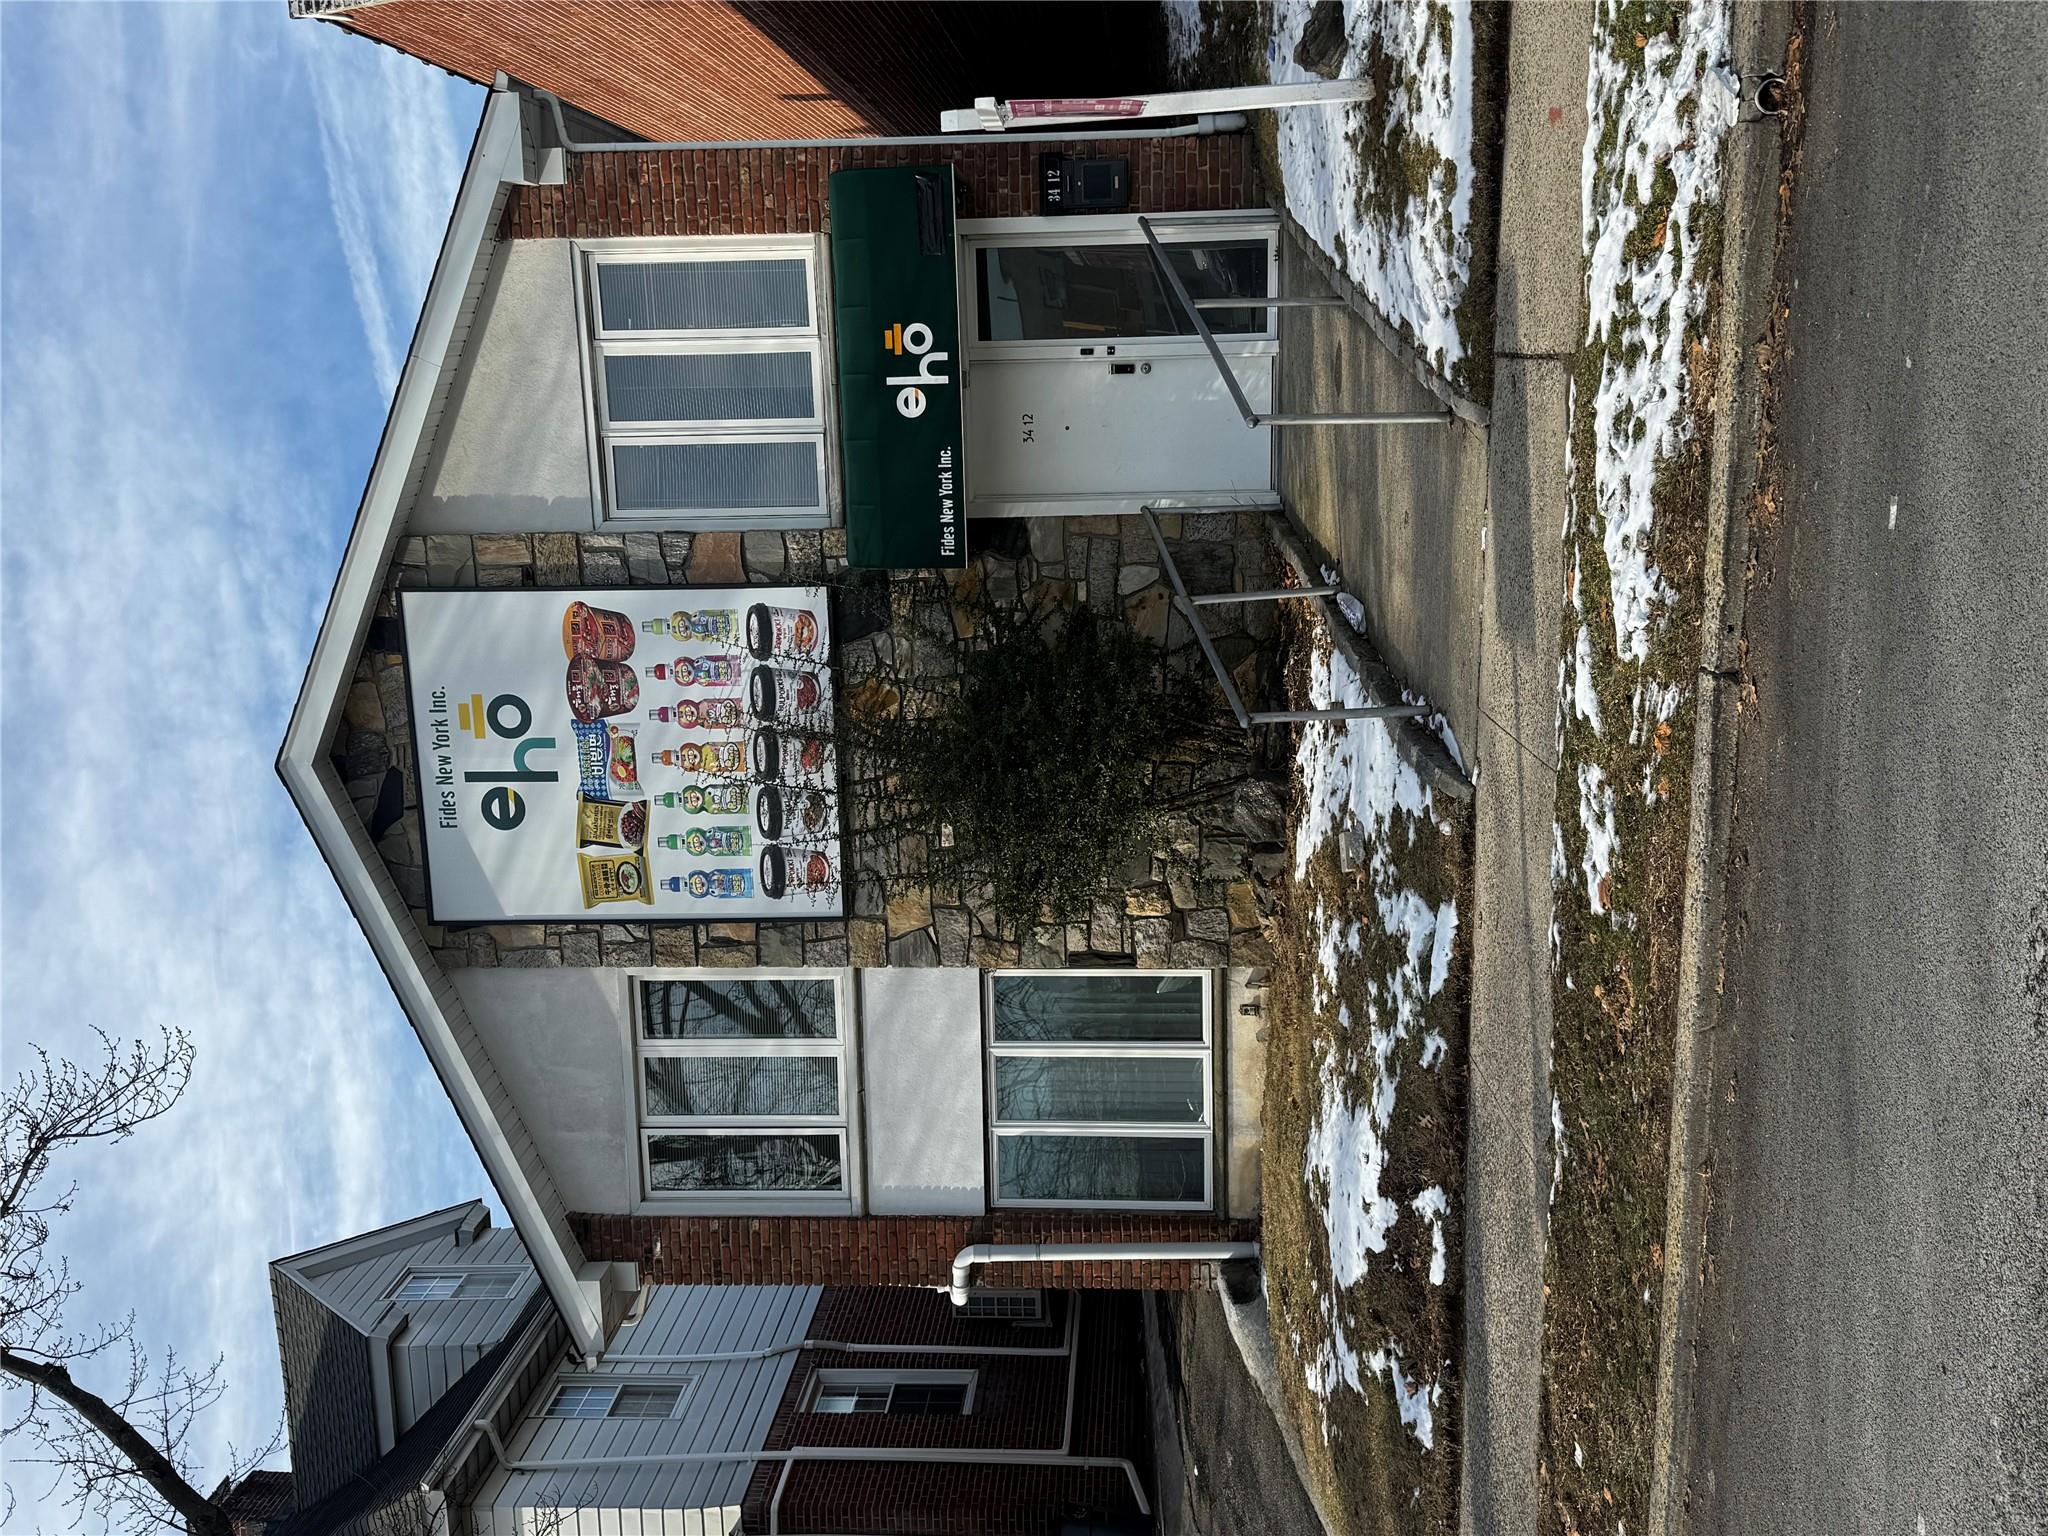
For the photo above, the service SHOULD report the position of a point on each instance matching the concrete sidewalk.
(1450, 536)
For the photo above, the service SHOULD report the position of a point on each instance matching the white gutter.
(497, 157)
(1206, 125)
(1068, 1253)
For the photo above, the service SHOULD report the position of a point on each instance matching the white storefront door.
(1086, 389)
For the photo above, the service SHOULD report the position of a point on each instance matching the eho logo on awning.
(914, 340)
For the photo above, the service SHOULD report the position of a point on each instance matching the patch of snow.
(1349, 768)
(1433, 1048)
(1183, 35)
(1346, 1150)
(1585, 699)
(1431, 1205)
(1578, 1454)
(1596, 817)
(1414, 267)
(1653, 111)
(1416, 1401)
(1556, 1147)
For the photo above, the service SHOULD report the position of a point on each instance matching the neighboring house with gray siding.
(433, 1389)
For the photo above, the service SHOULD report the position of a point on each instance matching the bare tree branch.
(122, 1457)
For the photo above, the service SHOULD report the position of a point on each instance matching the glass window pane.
(1090, 293)
(789, 1009)
(581, 1402)
(1100, 1168)
(646, 1402)
(683, 1163)
(1122, 1008)
(708, 386)
(928, 1398)
(742, 1085)
(1158, 1090)
(703, 295)
(714, 477)
(851, 1399)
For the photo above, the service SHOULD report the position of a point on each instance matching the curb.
(1419, 746)
(1399, 345)
(1749, 202)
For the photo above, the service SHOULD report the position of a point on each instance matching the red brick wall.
(896, 1250)
(1020, 1402)
(782, 191)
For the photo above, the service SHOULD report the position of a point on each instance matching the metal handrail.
(1192, 607)
(1251, 417)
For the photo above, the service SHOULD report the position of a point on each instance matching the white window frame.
(682, 1386)
(1002, 1130)
(460, 1275)
(844, 1126)
(982, 1306)
(823, 1381)
(595, 343)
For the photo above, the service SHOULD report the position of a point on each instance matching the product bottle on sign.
(705, 800)
(712, 884)
(602, 633)
(705, 624)
(692, 714)
(719, 671)
(710, 842)
(703, 757)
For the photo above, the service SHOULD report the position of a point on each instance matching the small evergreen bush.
(1040, 760)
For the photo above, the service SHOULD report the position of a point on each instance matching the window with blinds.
(708, 372)
(1099, 1089)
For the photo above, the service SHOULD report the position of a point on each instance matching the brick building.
(730, 429)
(767, 69)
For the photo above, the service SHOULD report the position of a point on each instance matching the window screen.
(715, 476)
(703, 295)
(708, 386)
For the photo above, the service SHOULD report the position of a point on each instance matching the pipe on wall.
(1037, 1253)
(1204, 126)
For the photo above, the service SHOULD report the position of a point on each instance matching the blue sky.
(218, 224)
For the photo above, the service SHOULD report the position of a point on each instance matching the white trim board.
(497, 158)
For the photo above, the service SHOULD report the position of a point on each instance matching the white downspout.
(1037, 1253)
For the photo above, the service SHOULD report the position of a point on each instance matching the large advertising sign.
(625, 755)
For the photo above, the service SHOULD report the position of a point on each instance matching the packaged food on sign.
(710, 842)
(783, 693)
(695, 714)
(607, 761)
(599, 689)
(614, 877)
(773, 631)
(602, 633)
(609, 824)
(703, 757)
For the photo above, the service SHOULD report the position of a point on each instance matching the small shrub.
(1040, 760)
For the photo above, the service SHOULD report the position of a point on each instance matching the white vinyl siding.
(742, 1086)
(1099, 1089)
(709, 386)
(728, 1406)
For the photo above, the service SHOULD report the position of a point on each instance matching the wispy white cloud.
(185, 426)
(389, 143)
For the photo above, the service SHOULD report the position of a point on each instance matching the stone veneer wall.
(1199, 899)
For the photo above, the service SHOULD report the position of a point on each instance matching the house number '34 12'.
(1027, 421)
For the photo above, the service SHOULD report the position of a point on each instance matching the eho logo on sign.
(914, 340)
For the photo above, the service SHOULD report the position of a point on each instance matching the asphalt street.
(1874, 1339)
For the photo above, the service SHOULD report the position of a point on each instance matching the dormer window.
(456, 1285)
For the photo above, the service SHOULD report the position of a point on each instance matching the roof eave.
(499, 154)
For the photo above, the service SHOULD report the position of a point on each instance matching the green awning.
(895, 305)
